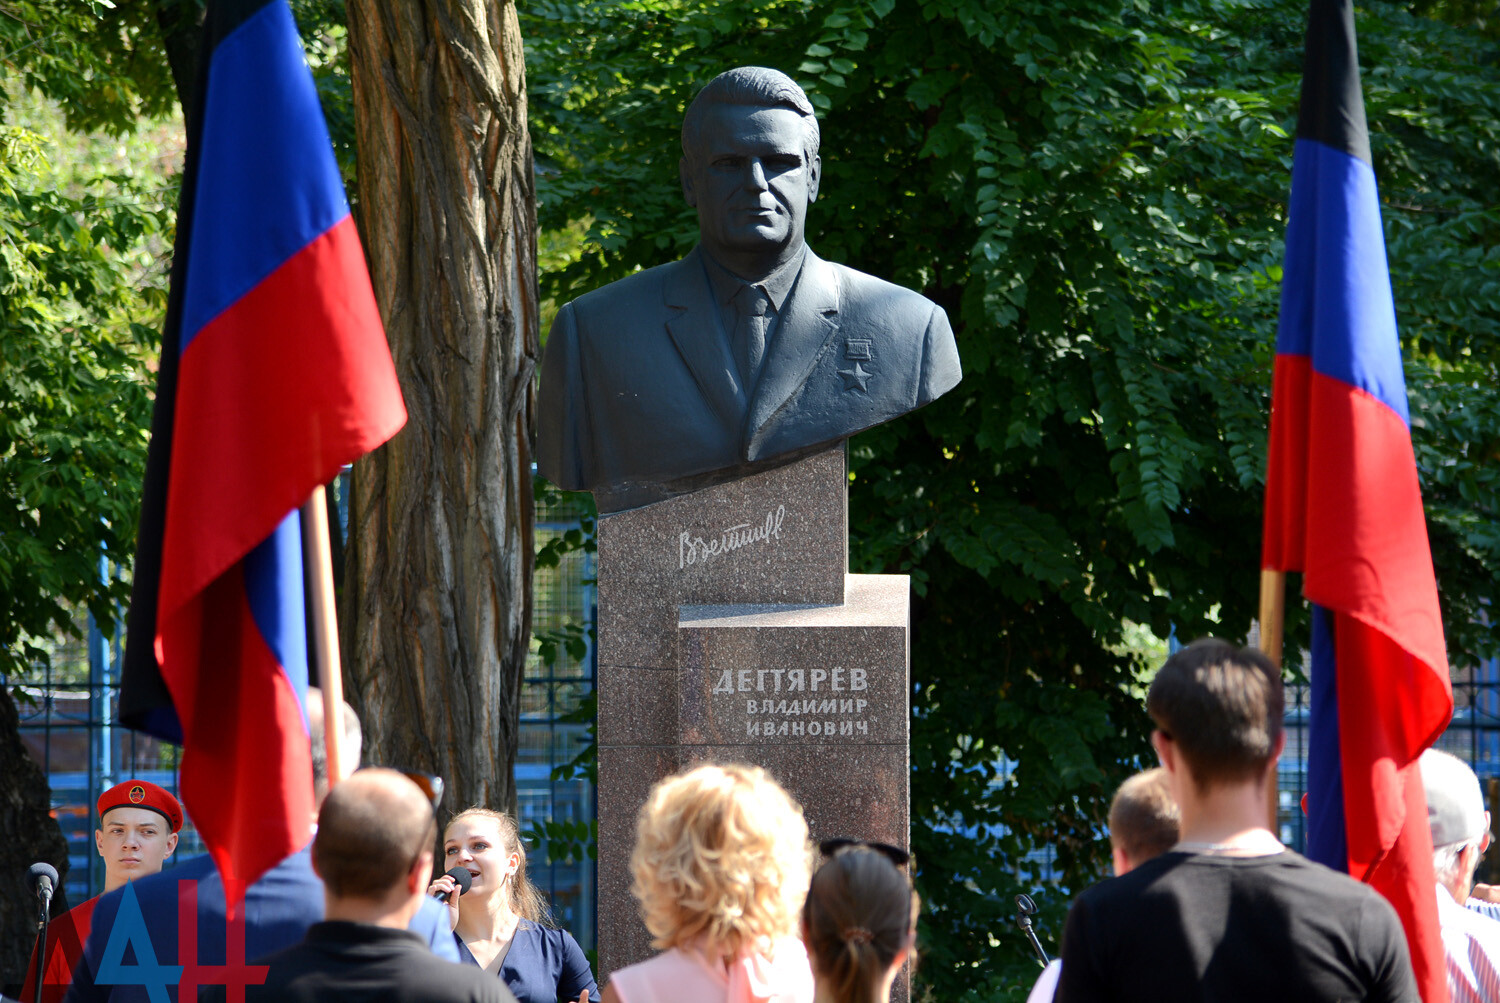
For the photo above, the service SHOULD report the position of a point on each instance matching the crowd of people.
(1206, 902)
(723, 870)
(1225, 911)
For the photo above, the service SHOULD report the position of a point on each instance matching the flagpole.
(1272, 613)
(1272, 616)
(318, 567)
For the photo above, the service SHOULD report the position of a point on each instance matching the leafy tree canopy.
(105, 64)
(1096, 193)
(81, 295)
(85, 233)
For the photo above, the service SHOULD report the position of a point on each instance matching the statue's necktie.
(753, 320)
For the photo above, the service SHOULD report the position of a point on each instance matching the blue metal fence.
(68, 711)
(1473, 736)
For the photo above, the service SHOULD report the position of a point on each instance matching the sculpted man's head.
(748, 353)
(750, 167)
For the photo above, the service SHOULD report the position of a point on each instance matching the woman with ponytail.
(859, 924)
(502, 923)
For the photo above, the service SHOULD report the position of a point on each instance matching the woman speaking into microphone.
(501, 923)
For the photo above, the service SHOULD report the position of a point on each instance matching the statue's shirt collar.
(776, 286)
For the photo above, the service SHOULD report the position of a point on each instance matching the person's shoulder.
(1481, 920)
(551, 939)
(569, 942)
(638, 288)
(671, 960)
(81, 912)
(1129, 886)
(554, 934)
(1295, 880)
(864, 291)
(1323, 882)
(443, 980)
(278, 961)
(154, 892)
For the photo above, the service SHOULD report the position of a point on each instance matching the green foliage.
(567, 840)
(84, 248)
(104, 63)
(80, 306)
(107, 64)
(325, 38)
(1095, 192)
(564, 841)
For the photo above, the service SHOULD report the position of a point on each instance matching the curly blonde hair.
(721, 860)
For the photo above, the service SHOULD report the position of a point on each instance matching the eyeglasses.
(430, 783)
(894, 854)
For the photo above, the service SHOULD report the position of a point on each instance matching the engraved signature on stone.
(695, 549)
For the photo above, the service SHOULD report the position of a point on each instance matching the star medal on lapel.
(857, 377)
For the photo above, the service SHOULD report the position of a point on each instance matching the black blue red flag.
(274, 373)
(1343, 506)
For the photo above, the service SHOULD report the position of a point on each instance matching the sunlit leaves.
(81, 297)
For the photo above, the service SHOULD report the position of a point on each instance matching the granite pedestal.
(729, 630)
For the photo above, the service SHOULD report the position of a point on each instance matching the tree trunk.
(181, 27)
(436, 604)
(28, 833)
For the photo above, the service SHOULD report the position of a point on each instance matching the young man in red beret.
(138, 826)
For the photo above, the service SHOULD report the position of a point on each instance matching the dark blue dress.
(543, 965)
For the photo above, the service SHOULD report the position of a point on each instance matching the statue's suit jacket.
(639, 386)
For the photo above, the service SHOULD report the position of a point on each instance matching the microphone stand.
(1025, 909)
(45, 897)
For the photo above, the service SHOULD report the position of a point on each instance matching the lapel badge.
(856, 376)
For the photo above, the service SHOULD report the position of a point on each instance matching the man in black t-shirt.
(1229, 913)
(373, 851)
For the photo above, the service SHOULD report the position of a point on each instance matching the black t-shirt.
(344, 962)
(1276, 928)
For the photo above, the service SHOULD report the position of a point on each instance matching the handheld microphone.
(44, 877)
(462, 877)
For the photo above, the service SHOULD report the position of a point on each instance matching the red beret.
(142, 794)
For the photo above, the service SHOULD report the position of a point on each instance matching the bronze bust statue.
(751, 350)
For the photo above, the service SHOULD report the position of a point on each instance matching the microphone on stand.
(462, 877)
(44, 878)
(1025, 909)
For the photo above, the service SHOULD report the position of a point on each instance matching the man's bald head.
(371, 830)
